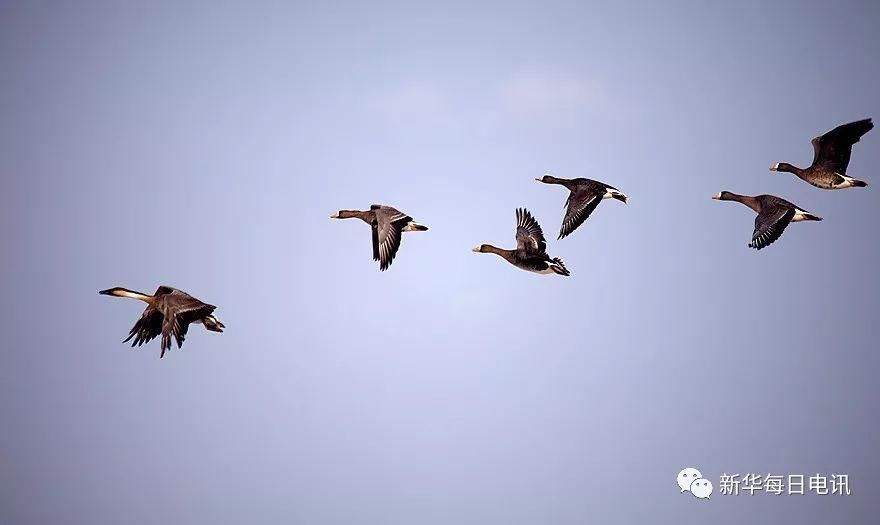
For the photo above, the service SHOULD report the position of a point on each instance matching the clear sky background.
(205, 146)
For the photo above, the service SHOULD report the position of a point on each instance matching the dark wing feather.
(179, 310)
(769, 225)
(529, 236)
(170, 326)
(375, 229)
(580, 204)
(147, 328)
(832, 150)
(386, 234)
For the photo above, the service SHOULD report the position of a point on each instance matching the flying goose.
(584, 196)
(831, 153)
(387, 224)
(774, 214)
(530, 253)
(169, 312)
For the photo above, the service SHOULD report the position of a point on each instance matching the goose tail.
(415, 227)
(856, 183)
(213, 324)
(558, 267)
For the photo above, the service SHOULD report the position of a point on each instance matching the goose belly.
(535, 266)
(829, 180)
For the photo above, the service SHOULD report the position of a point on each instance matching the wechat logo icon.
(691, 480)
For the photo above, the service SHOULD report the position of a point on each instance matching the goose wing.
(769, 225)
(147, 328)
(832, 150)
(387, 230)
(179, 309)
(529, 236)
(580, 204)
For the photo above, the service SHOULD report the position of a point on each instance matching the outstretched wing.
(179, 310)
(147, 328)
(769, 225)
(386, 234)
(529, 236)
(580, 204)
(832, 150)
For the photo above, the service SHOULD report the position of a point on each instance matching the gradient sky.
(205, 146)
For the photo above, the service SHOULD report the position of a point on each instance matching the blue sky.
(205, 147)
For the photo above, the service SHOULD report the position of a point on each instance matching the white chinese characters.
(790, 484)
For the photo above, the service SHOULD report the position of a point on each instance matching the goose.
(774, 215)
(584, 196)
(169, 312)
(831, 153)
(387, 224)
(530, 253)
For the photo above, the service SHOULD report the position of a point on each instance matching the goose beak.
(538, 179)
(106, 292)
(476, 250)
(335, 215)
(774, 167)
(716, 197)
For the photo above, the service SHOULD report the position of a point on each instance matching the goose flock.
(831, 153)
(170, 311)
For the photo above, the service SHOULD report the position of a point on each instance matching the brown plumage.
(774, 215)
(531, 248)
(169, 313)
(831, 153)
(583, 198)
(387, 225)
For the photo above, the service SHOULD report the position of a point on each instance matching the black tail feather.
(558, 267)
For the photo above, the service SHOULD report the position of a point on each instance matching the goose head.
(783, 167)
(118, 291)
